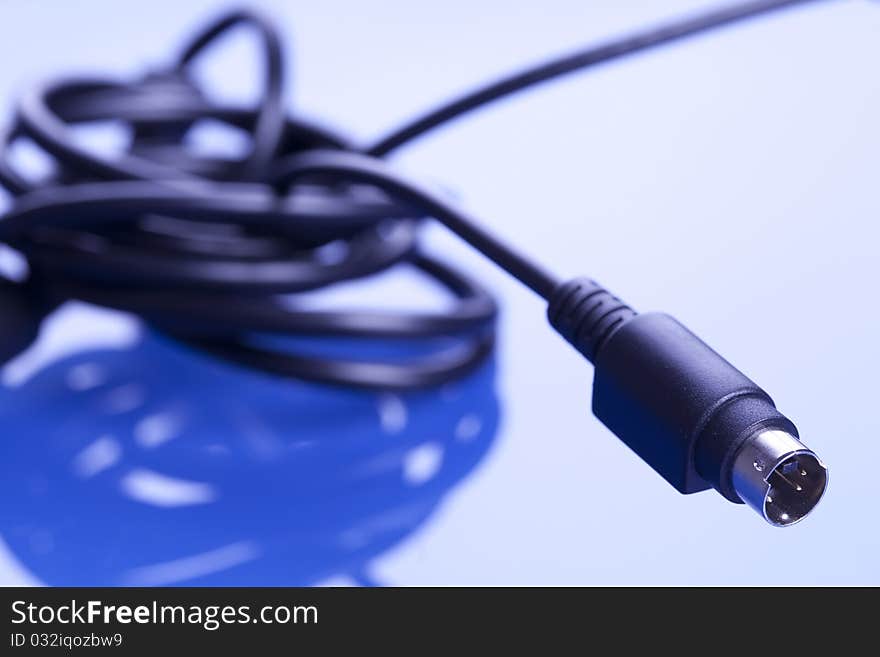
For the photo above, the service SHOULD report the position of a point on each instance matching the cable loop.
(210, 249)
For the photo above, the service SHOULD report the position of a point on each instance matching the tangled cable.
(214, 250)
(211, 250)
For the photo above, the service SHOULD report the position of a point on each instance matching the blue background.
(730, 180)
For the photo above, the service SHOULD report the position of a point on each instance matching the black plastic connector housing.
(674, 401)
(678, 404)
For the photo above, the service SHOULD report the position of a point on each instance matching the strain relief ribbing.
(587, 315)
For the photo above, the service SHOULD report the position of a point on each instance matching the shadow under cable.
(154, 465)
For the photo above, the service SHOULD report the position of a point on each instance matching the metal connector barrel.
(779, 477)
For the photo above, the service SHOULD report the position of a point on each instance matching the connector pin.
(779, 477)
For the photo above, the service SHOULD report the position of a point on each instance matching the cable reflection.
(151, 465)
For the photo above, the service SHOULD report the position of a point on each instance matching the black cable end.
(587, 315)
(688, 413)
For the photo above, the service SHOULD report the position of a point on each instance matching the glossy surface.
(149, 465)
(730, 181)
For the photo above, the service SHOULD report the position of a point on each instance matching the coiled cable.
(213, 251)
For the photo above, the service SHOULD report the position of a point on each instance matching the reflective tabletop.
(729, 180)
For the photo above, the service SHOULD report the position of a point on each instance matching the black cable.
(210, 250)
(269, 125)
(352, 167)
(577, 61)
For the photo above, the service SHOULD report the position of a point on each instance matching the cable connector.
(692, 416)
